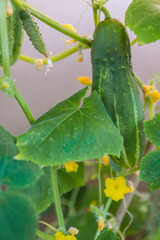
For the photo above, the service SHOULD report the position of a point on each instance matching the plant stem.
(135, 179)
(59, 27)
(99, 14)
(48, 225)
(108, 204)
(122, 210)
(24, 106)
(103, 9)
(139, 82)
(131, 171)
(4, 41)
(57, 203)
(94, 7)
(43, 235)
(100, 182)
(134, 41)
(74, 195)
(55, 58)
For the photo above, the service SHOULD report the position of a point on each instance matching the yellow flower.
(70, 237)
(100, 223)
(85, 80)
(60, 236)
(73, 231)
(116, 188)
(147, 89)
(155, 96)
(131, 187)
(39, 64)
(69, 26)
(80, 57)
(71, 167)
(9, 11)
(105, 160)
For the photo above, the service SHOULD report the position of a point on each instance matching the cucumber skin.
(115, 82)
(32, 30)
(15, 36)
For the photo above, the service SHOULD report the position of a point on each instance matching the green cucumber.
(115, 82)
(15, 35)
(32, 30)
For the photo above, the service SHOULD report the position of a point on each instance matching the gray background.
(41, 92)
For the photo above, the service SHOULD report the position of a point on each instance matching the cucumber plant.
(103, 132)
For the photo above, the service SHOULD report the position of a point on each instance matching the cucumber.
(115, 82)
(32, 30)
(15, 35)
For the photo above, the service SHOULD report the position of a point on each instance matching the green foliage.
(42, 192)
(150, 169)
(86, 223)
(18, 217)
(17, 174)
(107, 234)
(143, 17)
(68, 132)
(152, 129)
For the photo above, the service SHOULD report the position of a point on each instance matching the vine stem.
(139, 82)
(23, 105)
(57, 203)
(135, 179)
(108, 204)
(100, 181)
(134, 41)
(57, 57)
(94, 14)
(59, 27)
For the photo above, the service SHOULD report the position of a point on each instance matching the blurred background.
(42, 92)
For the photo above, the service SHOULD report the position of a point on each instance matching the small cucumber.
(15, 35)
(115, 82)
(32, 30)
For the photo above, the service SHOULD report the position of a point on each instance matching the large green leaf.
(18, 217)
(42, 193)
(152, 129)
(150, 169)
(107, 234)
(68, 132)
(18, 174)
(143, 17)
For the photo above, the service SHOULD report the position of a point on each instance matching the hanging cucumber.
(32, 30)
(15, 35)
(114, 79)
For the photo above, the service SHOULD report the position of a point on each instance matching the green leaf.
(152, 129)
(150, 169)
(68, 132)
(143, 17)
(7, 144)
(107, 234)
(17, 174)
(18, 217)
(42, 193)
